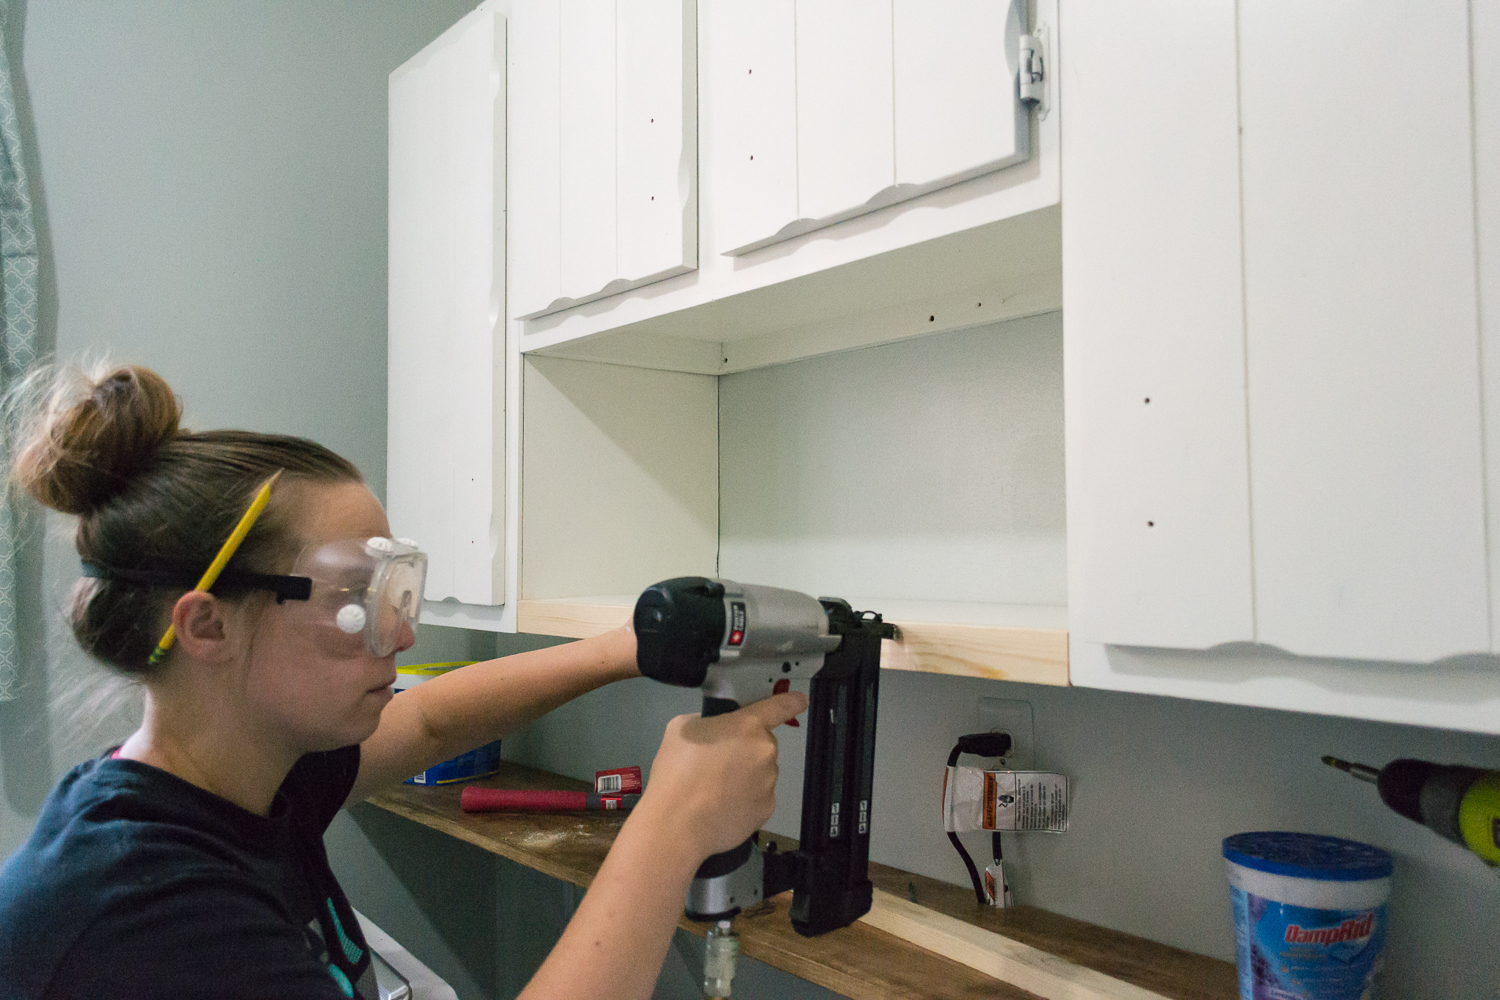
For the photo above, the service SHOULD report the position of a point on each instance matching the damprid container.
(475, 763)
(1309, 915)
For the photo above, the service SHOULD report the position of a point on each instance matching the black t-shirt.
(137, 884)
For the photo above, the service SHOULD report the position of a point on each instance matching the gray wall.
(211, 186)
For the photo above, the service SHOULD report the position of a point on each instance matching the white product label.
(1020, 801)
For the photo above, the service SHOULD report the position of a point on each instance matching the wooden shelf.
(1034, 652)
(1055, 956)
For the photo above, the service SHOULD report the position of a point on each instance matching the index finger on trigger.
(778, 708)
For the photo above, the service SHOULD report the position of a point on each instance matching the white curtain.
(18, 337)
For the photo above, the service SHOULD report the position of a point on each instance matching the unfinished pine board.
(861, 961)
(569, 619)
(996, 652)
(1010, 961)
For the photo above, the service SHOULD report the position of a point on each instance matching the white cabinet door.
(845, 116)
(603, 148)
(751, 54)
(848, 106)
(954, 82)
(446, 393)
(1158, 497)
(1366, 462)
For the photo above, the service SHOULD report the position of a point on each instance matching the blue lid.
(1308, 855)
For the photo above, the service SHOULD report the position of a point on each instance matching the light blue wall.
(210, 180)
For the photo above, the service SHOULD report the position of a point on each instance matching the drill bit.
(1361, 771)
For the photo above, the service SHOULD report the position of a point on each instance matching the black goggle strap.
(286, 588)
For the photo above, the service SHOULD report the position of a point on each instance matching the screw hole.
(979, 305)
(1150, 524)
(1148, 400)
(752, 156)
(931, 318)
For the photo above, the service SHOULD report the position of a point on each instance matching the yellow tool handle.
(1479, 817)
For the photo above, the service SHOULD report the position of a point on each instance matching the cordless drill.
(742, 643)
(1461, 804)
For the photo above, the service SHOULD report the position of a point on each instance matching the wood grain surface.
(860, 961)
(1033, 655)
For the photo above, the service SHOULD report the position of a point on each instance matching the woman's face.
(316, 687)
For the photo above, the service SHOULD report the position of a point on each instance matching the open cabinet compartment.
(921, 479)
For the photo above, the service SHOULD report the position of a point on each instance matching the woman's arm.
(467, 708)
(713, 783)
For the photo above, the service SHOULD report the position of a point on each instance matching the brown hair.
(150, 495)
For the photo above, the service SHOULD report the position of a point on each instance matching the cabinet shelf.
(1037, 953)
(956, 639)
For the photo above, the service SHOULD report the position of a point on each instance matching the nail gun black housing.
(829, 873)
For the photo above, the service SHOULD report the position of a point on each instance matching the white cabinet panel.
(845, 116)
(1158, 518)
(605, 148)
(587, 143)
(955, 103)
(1362, 346)
(1485, 46)
(535, 124)
(445, 483)
(751, 54)
(620, 486)
(656, 168)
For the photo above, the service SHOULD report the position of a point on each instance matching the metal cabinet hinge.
(1032, 78)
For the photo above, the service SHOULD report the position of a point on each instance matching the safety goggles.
(368, 586)
(348, 588)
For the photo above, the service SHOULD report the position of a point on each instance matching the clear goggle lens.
(367, 586)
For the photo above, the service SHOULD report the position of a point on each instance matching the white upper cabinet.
(1276, 399)
(603, 148)
(868, 172)
(445, 484)
(835, 108)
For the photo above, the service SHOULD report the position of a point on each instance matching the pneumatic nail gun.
(741, 643)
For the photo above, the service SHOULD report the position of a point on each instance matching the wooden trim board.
(1032, 655)
(1032, 969)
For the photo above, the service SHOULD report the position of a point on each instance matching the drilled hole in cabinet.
(1148, 400)
(931, 319)
(1150, 524)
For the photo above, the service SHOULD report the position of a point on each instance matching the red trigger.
(782, 687)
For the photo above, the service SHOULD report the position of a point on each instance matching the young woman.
(189, 862)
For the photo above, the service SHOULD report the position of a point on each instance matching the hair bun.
(89, 438)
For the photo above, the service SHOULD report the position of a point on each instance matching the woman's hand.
(714, 780)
